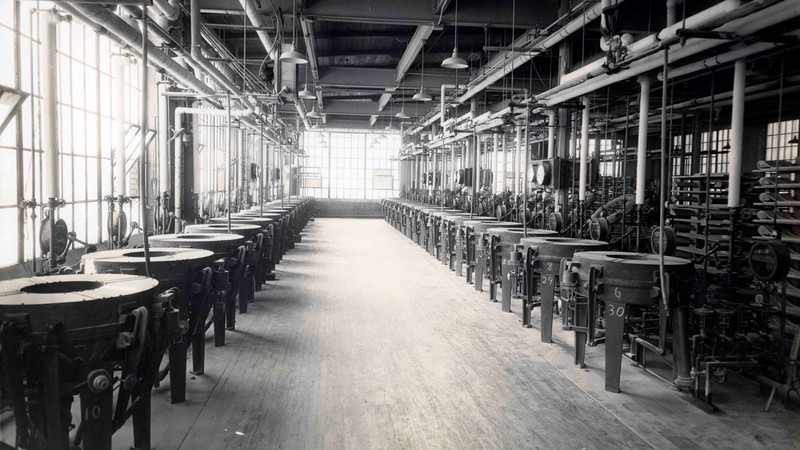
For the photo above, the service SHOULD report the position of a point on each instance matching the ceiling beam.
(477, 13)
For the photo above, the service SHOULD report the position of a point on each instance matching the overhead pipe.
(638, 64)
(506, 62)
(713, 13)
(171, 9)
(128, 36)
(582, 179)
(641, 147)
(724, 58)
(197, 54)
(251, 11)
(737, 135)
(301, 110)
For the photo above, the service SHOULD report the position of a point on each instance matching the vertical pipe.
(641, 148)
(120, 64)
(48, 67)
(672, 15)
(582, 181)
(505, 165)
(143, 156)
(453, 167)
(477, 146)
(264, 169)
(496, 155)
(163, 141)
(551, 134)
(517, 161)
(737, 134)
(229, 138)
(573, 137)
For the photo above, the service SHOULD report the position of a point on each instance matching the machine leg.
(230, 306)
(582, 324)
(197, 329)
(177, 371)
(505, 286)
(141, 422)
(246, 293)
(97, 413)
(478, 273)
(54, 411)
(547, 291)
(458, 263)
(219, 322)
(615, 329)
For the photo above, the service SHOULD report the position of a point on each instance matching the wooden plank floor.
(365, 341)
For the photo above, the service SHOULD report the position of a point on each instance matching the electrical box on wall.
(553, 173)
(559, 173)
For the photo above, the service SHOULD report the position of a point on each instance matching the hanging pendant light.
(293, 56)
(402, 114)
(314, 114)
(422, 96)
(305, 94)
(455, 61)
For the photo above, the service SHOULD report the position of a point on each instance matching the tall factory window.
(609, 165)
(778, 136)
(351, 165)
(85, 133)
(715, 151)
(681, 155)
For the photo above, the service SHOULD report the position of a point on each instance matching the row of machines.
(121, 323)
(604, 296)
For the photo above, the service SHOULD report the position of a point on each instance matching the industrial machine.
(97, 337)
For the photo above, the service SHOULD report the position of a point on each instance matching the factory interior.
(383, 224)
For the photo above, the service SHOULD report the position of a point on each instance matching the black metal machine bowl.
(504, 261)
(618, 282)
(544, 257)
(229, 270)
(248, 231)
(186, 269)
(89, 335)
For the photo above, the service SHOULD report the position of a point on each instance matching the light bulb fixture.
(293, 56)
(794, 140)
(455, 61)
(314, 114)
(422, 96)
(402, 114)
(305, 94)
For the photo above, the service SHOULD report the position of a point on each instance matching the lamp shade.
(402, 114)
(305, 94)
(313, 114)
(422, 97)
(293, 56)
(455, 61)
